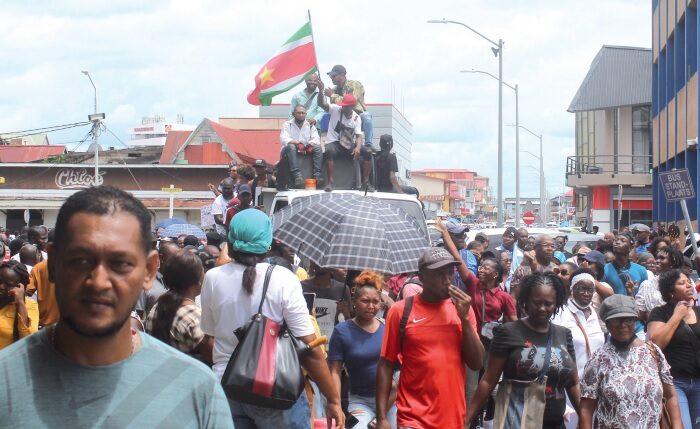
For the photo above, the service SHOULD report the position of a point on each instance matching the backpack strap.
(404, 319)
(268, 274)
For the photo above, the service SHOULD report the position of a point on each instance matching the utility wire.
(24, 133)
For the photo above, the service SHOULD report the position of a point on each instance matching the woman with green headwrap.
(230, 296)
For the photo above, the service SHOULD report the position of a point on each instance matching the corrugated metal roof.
(13, 154)
(619, 76)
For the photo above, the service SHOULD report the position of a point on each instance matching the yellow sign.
(171, 189)
(2, 180)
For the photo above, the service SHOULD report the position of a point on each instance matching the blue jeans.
(367, 127)
(291, 153)
(364, 409)
(688, 391)
(253, 417)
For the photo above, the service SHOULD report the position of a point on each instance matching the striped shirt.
(157, 386)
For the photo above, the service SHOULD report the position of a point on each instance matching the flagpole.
(311, 27)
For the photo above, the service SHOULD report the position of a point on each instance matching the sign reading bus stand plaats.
(677, 185)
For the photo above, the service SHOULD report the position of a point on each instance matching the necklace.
(52, 334)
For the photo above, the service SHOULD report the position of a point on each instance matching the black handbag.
(265, 368)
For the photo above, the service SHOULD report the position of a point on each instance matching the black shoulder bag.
(265, 368)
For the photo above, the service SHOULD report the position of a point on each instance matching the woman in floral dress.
(626, 379)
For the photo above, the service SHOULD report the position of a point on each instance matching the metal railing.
(609, 164)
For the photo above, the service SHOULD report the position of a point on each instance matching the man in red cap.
(345, 136)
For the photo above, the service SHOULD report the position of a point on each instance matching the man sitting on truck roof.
(387, 166)
(344, 136)
(299, 136)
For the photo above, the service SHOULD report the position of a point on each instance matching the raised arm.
(321, 99)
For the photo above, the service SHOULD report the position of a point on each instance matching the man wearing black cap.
(344, 86)
(237, 205)
(458, 234)
(387, 166)
(434, 332)
(263, 179)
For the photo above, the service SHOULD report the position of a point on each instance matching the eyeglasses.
(585, 290)
(629, 321)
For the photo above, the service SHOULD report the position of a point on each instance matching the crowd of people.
(525, 334)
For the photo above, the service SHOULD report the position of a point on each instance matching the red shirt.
(431, 387)
(498, 302)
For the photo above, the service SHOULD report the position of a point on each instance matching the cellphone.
(310, 299)
(350, 421)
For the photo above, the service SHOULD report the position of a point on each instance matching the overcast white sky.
(199, 59)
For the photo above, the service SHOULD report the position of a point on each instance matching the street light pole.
(543, 213)
(517, 141)
(498, 51)
(95, 132)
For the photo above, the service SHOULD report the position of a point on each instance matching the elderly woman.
(625, 382)
(578, 315)
(675, 328)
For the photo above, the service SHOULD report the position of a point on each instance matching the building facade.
(674, 106)
(468, 193)
(386, 118)
(611, 169)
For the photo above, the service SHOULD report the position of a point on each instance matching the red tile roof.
(254, 144)
(29, 153)
(248, 145)
(173, 144)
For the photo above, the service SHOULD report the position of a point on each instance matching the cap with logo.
(434, 258)
(260, 163)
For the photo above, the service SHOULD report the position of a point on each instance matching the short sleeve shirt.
(497, 302)
(336, 114)
(614, 276)
(524, 351)
(432, 369)
(627, 386)
(226, 306)
(359, 352)
(157, 386)
(386, 164)
(680, 353)
(218, 207)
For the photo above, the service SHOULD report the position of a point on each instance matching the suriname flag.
(291, 64)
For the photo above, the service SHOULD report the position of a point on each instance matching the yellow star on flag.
(266, 76)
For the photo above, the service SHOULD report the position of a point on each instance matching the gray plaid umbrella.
(337, 230)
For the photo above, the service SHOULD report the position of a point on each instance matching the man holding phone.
(433, 335)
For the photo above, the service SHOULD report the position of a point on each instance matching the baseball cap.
(242, 189)
(434, 258)
(641, 228)
(455, 228)
(617, 306)
(510, 231)
(336, 70)
(595, 257)
(348, 100)
(583, 250)
(260, 163)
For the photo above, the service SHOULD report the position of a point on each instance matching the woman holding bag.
(675, 328)
(233, 293)
(536, 359)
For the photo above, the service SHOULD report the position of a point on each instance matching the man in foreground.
(438, 339)
(91, 370)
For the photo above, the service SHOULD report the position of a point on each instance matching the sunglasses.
(617, 322)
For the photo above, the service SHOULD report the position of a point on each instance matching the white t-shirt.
(337, 115)
(226, 306)
(219, 207)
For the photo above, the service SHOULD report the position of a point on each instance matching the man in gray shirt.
(90, 369)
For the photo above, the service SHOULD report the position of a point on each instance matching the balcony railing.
(608, 164)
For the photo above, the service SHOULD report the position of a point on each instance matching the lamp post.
(541, 159)
(95, 131)
(517, 143)
(497, 51)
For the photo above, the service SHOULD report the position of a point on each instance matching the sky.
(199, 59)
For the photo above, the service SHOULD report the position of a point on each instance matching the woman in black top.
(675, 329)
(518, 352)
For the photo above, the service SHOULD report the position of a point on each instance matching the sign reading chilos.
(69, 178)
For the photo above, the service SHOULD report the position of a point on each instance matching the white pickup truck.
(274, 200)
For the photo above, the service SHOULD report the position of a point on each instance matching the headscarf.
(578, 278)
(250, 231)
